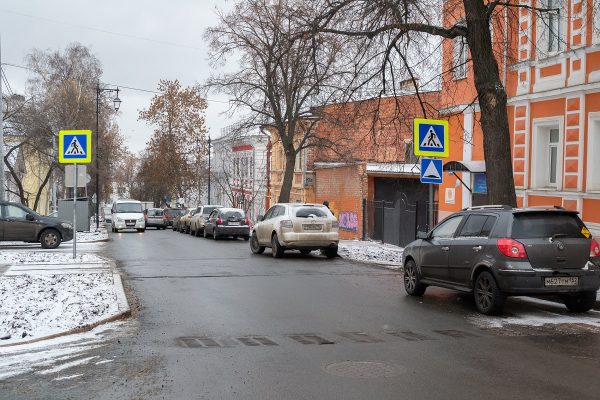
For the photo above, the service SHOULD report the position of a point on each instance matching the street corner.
(50, 296)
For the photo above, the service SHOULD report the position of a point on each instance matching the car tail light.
(246, 221)
(594, 249)
(219, 221)
(511, 248)
(286, 223)
(167, 216)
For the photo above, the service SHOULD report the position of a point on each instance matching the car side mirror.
(260, 218)
(30, 217)
(422, 235)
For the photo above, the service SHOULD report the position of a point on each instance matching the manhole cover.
(364, 369)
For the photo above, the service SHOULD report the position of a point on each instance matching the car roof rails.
(488, 207)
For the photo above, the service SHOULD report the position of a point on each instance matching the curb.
(124, 312)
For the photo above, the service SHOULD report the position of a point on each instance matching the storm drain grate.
(408, 335)
(256, 341)
(360, 337)
(197, 342)
(310, 338)
(454, 333)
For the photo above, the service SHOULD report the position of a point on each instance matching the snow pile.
(94, 236)
(47, 258)
(372, 252)
(34, 306)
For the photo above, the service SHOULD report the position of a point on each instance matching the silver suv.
(499, 251)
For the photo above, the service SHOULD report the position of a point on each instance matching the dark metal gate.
(395, 222)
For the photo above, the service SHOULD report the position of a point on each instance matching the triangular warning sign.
(431, 171)
(75, 148)
(431, 139)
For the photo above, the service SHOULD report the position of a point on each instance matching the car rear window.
(233, 213)
(208, 210)
(173, 211)
(545, 225)
(310, 211)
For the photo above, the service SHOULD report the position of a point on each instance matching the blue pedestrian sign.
(431, 171)
(75, 147)
(431, 138)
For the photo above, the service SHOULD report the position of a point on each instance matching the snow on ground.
(29, 257)
(61, 355)
(371, 252)
(35, 306)
(94, 236)
(534, 312)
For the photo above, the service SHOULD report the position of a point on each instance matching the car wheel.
(50, 239)
(255, 246)
(246, 238)
(580, 302)
(331, 252)
(412, 282)
(276, 247)
(204, 233)
(488, 297)
(305, 251)
(215, 234)
(141, 230)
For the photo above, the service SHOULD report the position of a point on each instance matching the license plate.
(314, 227)
(130, 224)
(234, 223)
(561, 281)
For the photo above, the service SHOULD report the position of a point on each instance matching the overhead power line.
(105, 31)
(113, 84)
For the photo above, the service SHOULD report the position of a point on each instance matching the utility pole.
(2, 193)
(209, 170)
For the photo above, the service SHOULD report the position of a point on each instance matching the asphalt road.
(213, 321)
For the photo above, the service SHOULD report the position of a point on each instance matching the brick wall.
(344, 188)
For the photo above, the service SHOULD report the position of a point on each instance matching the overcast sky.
(138, 42)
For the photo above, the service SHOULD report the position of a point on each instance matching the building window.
(553, 156)
(547, 156)
(461, 56)
(551, 26)
(593, 149)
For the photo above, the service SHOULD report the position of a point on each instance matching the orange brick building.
(371, 163)
(551, 71)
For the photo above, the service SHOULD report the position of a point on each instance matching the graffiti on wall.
(348, 221)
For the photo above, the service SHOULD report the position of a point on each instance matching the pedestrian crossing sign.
(75, 147)
(431, 138)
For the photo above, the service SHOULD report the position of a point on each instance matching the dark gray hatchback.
(498, 251)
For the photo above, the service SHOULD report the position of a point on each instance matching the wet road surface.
(213, 321)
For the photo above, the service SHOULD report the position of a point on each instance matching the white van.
(128, 214)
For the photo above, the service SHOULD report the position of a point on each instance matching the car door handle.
(445, 248)
(477, 248)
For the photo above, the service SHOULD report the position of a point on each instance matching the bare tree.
(399, 38)
(282, 74)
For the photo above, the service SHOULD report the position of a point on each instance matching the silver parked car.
(155, 218)
(296, 226)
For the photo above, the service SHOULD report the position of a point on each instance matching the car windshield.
(546, 225)
(129, 208)
(310, 212)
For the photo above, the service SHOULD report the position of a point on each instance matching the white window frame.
(460, 57)
(540, 157)
(592, 183)
(543, 28)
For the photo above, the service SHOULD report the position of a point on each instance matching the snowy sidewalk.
(383, 254)
(47, 293)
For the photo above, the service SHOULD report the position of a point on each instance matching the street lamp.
(116, 105)
(209, 170)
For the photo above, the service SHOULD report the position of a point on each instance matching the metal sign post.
(431, 139)
(75, 211)
(75, 147)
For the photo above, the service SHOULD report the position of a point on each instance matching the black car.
(19, 223)
(499, 251)
(230, 222)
